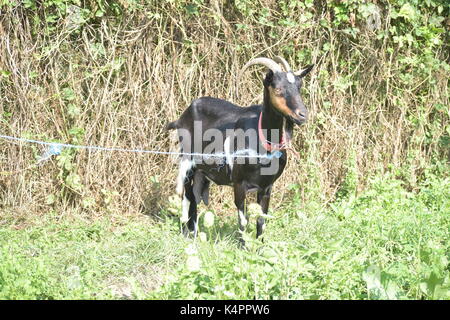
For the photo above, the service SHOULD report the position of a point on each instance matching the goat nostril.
(301, 114)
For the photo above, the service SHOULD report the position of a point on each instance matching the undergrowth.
(385, 243)
(114, 73)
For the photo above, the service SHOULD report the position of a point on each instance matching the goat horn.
(269, 63)
(285, 64)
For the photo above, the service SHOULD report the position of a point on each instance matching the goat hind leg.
(263, 200)
(239, 200)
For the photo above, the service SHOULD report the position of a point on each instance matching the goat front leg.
(189, 207)
(263, 200)
(239, 200)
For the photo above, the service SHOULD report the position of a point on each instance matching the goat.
(282, 105)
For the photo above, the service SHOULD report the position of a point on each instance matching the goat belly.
(218, 175)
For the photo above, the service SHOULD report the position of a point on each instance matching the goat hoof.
(186, 231)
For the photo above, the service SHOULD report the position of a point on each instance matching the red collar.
(269, 146)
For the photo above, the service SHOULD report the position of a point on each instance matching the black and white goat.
(282, 107)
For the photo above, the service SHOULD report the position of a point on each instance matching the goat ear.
(269, 78)
(304, 72)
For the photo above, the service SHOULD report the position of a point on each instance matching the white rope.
(55, 148)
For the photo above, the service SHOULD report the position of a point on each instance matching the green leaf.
(408, 12)
(68, 94)
(73, 110)
(50, 199)
(5, 73)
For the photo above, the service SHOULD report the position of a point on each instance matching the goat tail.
(172, 125)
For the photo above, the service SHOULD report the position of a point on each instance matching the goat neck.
(271, 120)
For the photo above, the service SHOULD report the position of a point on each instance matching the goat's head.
(282, 88)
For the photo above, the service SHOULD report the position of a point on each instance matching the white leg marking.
(185, 210)
(227, 149)
(185, 166)
(242, 220)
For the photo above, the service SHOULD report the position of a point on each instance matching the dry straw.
(121, 81)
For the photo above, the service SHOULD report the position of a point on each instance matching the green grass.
(77, 259)
(386, 243)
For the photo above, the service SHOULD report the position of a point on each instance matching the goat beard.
(288, 131)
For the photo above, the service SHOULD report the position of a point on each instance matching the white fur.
(290, 77)
(185, 210)
(227, 149)
(185, 166)
(242, 220)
